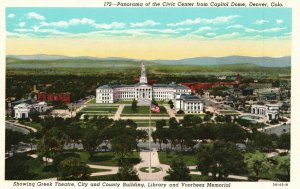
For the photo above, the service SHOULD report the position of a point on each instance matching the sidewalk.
(145, 161)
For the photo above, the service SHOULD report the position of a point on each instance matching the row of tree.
(190, 131)
(220, 158)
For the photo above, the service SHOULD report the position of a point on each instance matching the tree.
(227, 118)
(134, 107)
(91, 139)
(178, 171)
(230, 132)
(284, 141)
(12, 139)
(256, 163)
(205, 159)
(51, 143)
(122, 146)
(34, 116)
(160, 124)
(191, 120)
(127, 173)
(208, 116)
(283, 164)
(262, 141)
(160, 136)
(18, 167)
(221, 159)
(170, 102)
(173, 124)
(73, 169)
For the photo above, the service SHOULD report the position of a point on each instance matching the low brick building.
(63, 97)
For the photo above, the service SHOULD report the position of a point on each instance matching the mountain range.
(201, 61)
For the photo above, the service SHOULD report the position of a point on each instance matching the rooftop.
(190, 97)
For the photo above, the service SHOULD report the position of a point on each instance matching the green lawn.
(146, 169)
(103, 178)
(188, 157)
(37, 126)
(106, 158)
(22, 167)
(145, 110)
(93, 101)
(99, 109)
(95, 170)
(209, 178)
(145, 123)
(229, 112)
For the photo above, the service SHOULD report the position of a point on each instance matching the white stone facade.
(141, 91)
(269, 111)
(188, 103)
(23, 110)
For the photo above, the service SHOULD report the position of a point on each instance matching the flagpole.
(150, 170)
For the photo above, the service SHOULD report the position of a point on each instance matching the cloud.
(211, 34)
(144, 24)
(279, 21)
(216, 20)
(11, 15)
(227, 36)
(22, 24)
(17, 35)
(33, 15)
(63, 24)
(82, 21)
(270, 30)
(260, 22)
(36, 30)
(235, 26)
(203, 29)
(113, 25)
(251, 30)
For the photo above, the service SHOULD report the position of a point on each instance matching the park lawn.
(143, 110)
(100, 109)
(95, 170)
(210, 178)
(229, 112)
(130, 102)
(36, 169)
(37, 126)
(112, 177)
(106, 158)
(189, 158)
(123, 102)
(145, 123)
(93, 101)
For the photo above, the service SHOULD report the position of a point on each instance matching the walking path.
(145, 161)
(170, 111)
(20, 125)
(119, 112)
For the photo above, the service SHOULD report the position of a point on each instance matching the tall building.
(142, 92)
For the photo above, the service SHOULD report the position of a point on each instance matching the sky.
(149, 33)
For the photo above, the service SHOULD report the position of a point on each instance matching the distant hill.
(60, 57)
(198, 61)
(260, 61)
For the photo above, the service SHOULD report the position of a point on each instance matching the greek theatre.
(142, 92)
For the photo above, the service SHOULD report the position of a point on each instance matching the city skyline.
(162, 33)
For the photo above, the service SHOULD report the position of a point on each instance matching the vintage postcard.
(138, 94)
